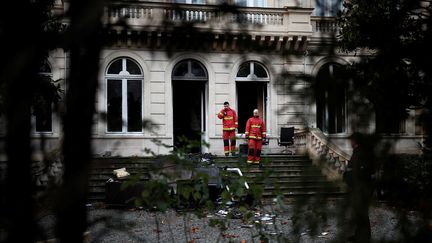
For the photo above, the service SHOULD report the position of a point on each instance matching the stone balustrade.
(324, 26)
(278, 22)
(323, 152)
(194, 13)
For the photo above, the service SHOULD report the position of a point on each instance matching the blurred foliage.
(406, 178)
(392, 39)
(49, 35)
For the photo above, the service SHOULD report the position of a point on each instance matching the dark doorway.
(188, 114)
(250, 96)
(330, 91)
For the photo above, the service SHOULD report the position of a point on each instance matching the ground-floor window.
(388, 121)
(330, 93)
(42, 107)
(124, 82)
(189, 84)
(250, 96)
(42, 116)
(251, 83)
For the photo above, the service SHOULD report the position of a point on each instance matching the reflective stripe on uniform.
(256, 126)
(228, 118)
(228, 128)
(255, 137)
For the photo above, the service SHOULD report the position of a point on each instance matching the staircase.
(102, 170)
(287, 175)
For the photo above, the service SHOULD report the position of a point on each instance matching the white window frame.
(251, 76)
(123, 77)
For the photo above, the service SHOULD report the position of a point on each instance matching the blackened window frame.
(331, 99)
(45, 72)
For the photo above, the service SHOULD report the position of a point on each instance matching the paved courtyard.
(303, 222)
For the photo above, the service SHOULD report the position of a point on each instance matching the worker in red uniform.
(255, 133)
(230, 125)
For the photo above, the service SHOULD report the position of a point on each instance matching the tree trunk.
(85, 44)
(19, 65)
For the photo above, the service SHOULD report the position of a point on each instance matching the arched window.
(42, 108)
(252, 71)
(124, 82)
(189, 70)
(251, 83)
(189, 83)
(330, 93)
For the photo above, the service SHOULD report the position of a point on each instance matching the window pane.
(132, 67)
(134, 97)
(330, 96)
(197, 70)
(43, 115)
(114, 103)
(242, 3)
(180, 69)
(244, 70)
(260, 71)
(327, 7)
(388, 121)
(115, 67)
(45, 67)
(259, 3)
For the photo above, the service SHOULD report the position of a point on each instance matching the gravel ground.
(292, 222)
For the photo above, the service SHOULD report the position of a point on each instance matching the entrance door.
(189, 82)
(188, 114)
(250, 96)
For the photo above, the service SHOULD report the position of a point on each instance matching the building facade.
(160, 82)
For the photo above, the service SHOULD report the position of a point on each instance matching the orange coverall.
(230, 124)
(255, 133)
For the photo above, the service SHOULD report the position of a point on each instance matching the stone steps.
(288, 175)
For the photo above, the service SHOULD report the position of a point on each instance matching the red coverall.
(230, 124)
(255, 133)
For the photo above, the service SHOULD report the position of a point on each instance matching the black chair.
(286, 138)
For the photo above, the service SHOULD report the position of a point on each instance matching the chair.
(286, 138)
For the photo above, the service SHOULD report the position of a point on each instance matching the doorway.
(250, 96)
(189, 115)
(189, 87)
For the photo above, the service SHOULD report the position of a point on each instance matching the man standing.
(230, 125)
(255, 133)
(360, 169)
